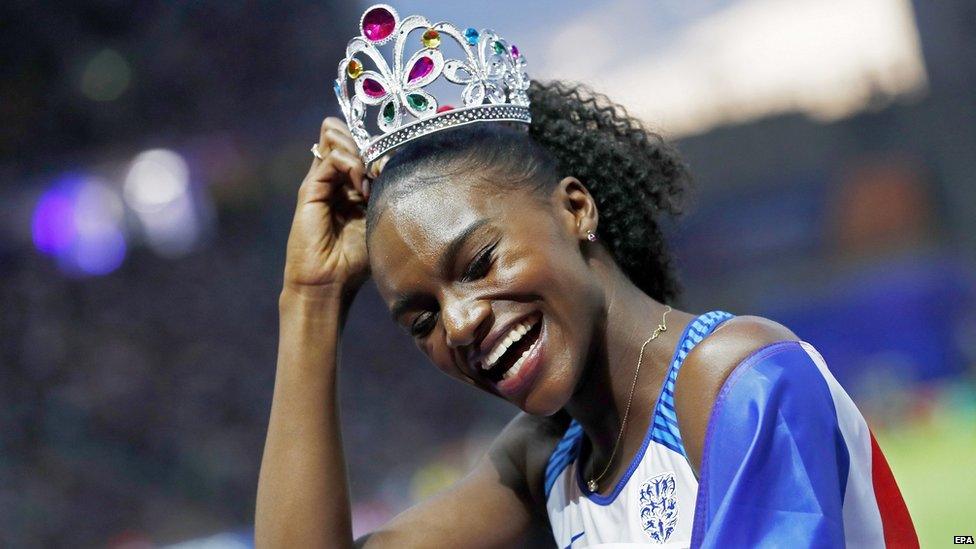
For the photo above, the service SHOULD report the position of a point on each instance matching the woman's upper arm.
(787, 459)
(495, 505)
(706, 368)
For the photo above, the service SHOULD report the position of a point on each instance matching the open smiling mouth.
(506, 359)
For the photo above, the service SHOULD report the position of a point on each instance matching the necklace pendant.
(591, 485)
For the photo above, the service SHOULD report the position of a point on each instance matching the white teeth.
(518, 364)
(514, 335)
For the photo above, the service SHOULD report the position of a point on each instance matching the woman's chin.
(547, 398)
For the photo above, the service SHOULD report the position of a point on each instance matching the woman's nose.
(465, 321)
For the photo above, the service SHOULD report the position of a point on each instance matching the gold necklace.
(592, 484)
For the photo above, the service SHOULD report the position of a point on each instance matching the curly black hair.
(633, 175)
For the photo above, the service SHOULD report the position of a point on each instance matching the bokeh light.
(79, 221)
(53, 227)
(156, 178)
(106, 76)
(157, 188)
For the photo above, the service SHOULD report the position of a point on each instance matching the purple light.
(53, 225)
(99, 254)
(79, 222)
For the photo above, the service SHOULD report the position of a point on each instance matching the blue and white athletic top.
(787, 461)
(654, 502)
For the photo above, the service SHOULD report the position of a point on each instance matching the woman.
(531, 265)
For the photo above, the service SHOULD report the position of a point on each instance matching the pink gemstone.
(373, 88)
(515, 52)
(378, 23)
(420, 69)
(445, 108)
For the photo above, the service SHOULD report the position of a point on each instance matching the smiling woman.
(485, 207)
(526, 259)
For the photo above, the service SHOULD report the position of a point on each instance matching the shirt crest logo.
(659, 507)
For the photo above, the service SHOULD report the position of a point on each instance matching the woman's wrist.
(325, 301)
(310, 323)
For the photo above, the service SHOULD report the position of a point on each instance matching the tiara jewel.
(490, 71)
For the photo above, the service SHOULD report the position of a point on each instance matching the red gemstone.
(378, 23)
(373, 88)
(445, 108)
(515, 52)
(420, 69)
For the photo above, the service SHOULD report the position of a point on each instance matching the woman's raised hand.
(327, 244)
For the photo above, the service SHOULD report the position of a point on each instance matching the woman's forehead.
(414, 230)
(426, 217)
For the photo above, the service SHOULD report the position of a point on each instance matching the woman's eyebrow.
(402, 304)
(449, 257)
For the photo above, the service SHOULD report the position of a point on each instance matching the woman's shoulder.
(709, 364)
(730, 343)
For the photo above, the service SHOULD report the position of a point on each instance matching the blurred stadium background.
(150, 156)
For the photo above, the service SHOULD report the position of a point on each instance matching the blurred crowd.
(137, 397)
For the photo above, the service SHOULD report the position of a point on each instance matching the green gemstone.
(498, 47)
(389, 111)
(417, 101)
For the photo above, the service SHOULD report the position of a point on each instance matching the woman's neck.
(601, 399)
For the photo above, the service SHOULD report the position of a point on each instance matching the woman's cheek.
(436, 352)
(520, 271)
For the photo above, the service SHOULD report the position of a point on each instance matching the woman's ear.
(578, 207)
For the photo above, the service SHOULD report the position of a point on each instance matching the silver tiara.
(492, 73)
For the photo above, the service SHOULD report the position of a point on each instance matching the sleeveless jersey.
(653, 504)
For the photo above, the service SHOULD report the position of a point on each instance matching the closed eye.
(481, 264)
(423, 324)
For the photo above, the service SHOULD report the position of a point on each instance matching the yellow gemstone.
(354, 69)
(431, 39)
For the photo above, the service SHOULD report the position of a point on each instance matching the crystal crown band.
(490, 70)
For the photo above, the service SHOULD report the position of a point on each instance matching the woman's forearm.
(303, 498)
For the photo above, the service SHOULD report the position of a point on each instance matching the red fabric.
(899, 531)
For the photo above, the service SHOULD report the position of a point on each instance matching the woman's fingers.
(352, 165)
(335, 136)
(339, 165)
(339, 169)
(338, 140)
(333, 123)
(339, 137)
(329, 123)
(325, 144)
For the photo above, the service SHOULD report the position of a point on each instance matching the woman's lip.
(521, 381)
